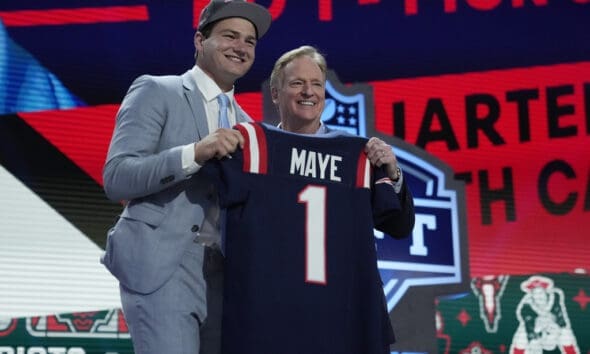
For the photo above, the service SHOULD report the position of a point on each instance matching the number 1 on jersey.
(314, 198)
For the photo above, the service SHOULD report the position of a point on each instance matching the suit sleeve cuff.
(397, 185)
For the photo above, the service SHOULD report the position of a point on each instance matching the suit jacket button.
(195, 228)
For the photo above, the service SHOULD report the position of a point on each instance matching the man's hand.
(381, 153)
(219, 144)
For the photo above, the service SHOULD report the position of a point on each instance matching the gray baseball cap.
(220, 9)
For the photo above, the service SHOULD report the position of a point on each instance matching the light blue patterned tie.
(223, 118)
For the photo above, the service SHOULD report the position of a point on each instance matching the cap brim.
(258, 15)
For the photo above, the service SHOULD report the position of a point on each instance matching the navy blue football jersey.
(300, 261)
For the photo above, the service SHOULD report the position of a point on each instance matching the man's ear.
(198, 41)
(274, 94)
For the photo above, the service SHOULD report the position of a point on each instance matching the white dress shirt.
(210, 91)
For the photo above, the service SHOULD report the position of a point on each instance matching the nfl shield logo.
(345, 112)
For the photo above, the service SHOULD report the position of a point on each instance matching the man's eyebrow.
(237, 33)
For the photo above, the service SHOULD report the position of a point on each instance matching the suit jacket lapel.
(241, 116)
(194, 98)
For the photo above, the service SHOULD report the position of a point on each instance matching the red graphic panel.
(520, 138)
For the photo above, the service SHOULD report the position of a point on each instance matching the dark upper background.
(97, 62)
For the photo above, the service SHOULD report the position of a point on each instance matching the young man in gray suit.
(165, 248)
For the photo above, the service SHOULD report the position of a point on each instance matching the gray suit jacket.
(165, 209)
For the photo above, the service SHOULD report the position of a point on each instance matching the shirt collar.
(208, 87)
(323, 129)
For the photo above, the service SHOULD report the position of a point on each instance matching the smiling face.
(300, 95)
(228, 52)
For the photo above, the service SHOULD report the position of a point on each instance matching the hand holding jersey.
(381, 154)
(218, 144)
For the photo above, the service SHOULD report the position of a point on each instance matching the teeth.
(238, 59)
(306, 103)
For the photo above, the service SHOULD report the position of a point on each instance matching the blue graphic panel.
(432, 254)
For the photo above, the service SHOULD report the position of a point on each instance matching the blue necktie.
(223, 118)
(223, 123)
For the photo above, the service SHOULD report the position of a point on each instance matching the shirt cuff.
(189, 166)
(397, 185)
